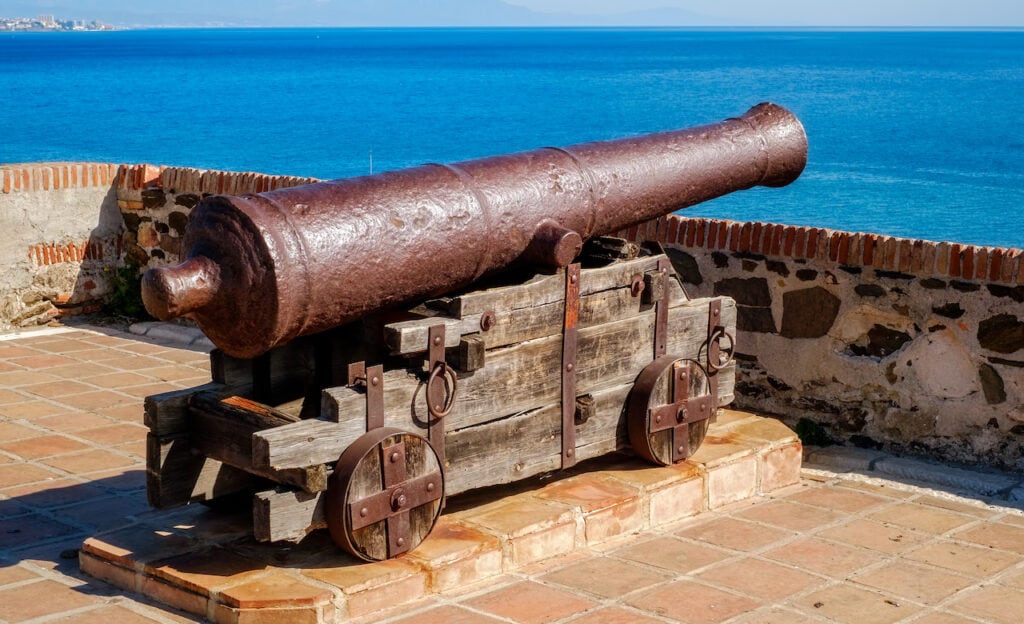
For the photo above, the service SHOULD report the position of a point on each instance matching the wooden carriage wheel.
(385, 494)
(669, 410)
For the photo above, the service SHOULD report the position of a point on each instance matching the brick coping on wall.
(854, 249)
(918, 258)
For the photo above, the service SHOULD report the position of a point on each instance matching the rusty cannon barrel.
(262, 269)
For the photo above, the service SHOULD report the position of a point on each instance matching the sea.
(912, 133)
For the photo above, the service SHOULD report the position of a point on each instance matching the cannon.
(386, 341)
(261, 270)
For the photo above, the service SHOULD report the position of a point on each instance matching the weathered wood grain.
(520, 318)
(177, 476)
(222, 429)
(167, 413)
(515, 448)
(527, 375)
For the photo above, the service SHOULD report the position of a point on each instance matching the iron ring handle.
(718, 334)
(446, 372)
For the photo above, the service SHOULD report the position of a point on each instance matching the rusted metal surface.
(570, 345)
(263, 269)
(384, 450)
(442, 386)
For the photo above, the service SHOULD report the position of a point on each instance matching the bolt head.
(364, 512)
(394, 457)
(569, 367)
(437, 340)
(573, 279)
(400, 541)
(375, 381)
(430, 487)
(681, 450)
(568, 453)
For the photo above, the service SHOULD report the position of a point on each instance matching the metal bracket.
(661, 311)
(716, 331)
(440, 396)
(372, 379)
(569, 347)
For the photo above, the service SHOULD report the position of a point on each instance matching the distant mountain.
(264, 13)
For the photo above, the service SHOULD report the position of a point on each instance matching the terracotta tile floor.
(831, 549)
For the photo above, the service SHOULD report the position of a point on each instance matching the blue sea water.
(913, 134)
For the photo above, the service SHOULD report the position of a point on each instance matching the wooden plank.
(548, 288)
(529, 445)
(286, 515)
(518, 317)
(322, 441)
(222, 429)
(305, 443)
(167, 413)
(526, 376)
(177, 476)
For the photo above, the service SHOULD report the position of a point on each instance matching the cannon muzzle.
(262, 269)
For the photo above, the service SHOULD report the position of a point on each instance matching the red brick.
(757, 235)
(904, 255)
(777, 238)
(892, 253)
(701, 232)
(734, 236)
(26, 180)
(56, 177)
(790, 239)
(689, 238)
(995, 266)
(811, 248)
(800, 242)
(684, 230)
(833, 246)
(967, 262)
(7, 181)
(981, 262)
(954, 260)
(843, 253)
(712, 241)
(744, 244)
(673, 230)
(723, 234)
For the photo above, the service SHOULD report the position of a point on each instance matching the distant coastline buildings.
(47, 23)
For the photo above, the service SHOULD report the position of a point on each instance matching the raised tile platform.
(206, 563)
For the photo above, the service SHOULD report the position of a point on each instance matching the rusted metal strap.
(440, 396)
(716, 330)
(569, 347)
(661, 310)
(372, 379)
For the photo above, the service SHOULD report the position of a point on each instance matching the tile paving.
(835, 548)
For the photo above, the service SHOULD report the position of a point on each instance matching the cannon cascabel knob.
(170, 292)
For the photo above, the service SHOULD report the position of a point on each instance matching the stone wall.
(869, 340)
(875, 341)
(62, 239)
(155, 203)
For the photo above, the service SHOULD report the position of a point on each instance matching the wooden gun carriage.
(538, 352)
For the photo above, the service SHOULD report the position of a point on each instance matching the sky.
(828, 13)
(813, 12)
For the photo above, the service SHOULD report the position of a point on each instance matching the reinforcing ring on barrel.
(444, 374)
(717, 335)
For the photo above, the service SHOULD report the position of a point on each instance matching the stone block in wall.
(809, 312)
